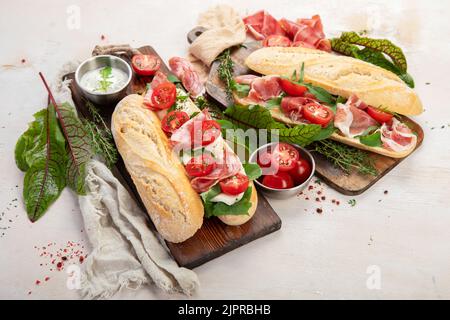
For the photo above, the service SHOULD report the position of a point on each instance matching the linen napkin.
(225, 29)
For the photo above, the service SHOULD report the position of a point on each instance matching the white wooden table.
(403, 236)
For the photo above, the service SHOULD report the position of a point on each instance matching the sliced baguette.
(339, 75)
(174, 207)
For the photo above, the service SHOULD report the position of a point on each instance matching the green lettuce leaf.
(45, 162)
(79, 147)
(372, 140)
(238, 209)
(252, 170)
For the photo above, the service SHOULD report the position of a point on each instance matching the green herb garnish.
(345, 157)
(352, 202)
(102, 141)
(104, 83)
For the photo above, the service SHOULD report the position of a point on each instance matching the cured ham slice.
(307, 33)
(265, 88)
(184, 70)
(246, 79)
(351, 120)
(292, 106)
(397, 137)
(228, 165)
(160, 77)
(261, 25)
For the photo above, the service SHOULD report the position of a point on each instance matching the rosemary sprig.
(100, 136)
(345, 157)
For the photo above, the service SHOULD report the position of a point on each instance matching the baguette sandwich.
(365, 106)
(180, 181)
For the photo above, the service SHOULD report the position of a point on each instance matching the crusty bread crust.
(339, 75)
(237, 220)
(174, 207)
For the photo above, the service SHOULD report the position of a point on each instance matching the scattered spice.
(386, 192)
(23, 61)
(319, 210)
(103, 37)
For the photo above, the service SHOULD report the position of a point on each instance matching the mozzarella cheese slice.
(227, 199)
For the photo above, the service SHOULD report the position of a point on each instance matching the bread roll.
(237, 220)
(339, 75)
(174, 207)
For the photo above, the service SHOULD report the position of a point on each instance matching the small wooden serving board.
(351, 184)
(214, 238)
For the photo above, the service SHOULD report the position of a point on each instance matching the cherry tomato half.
(276, 41)
(318, 114)
(280, 180)
(201, 166)
(292, 89)
(264, 159)
(164, 96)
(145, 64)
(286, 156)
(301, 172)
(174, 120)
(234, 185)
(205, 133)
(378, 115)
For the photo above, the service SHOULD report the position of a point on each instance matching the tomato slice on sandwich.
(173, 121)
(164, 96)
(205, 132)
(201, 166)
(292, 89)
(235, 185)
(378, 115)
(318, 114)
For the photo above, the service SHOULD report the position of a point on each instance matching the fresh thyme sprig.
(100, 136)
(345, 157)
(225, 72)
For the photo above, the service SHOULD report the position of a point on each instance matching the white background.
(406, 235)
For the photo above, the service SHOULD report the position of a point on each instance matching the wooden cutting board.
(351, 184)
(214, 238)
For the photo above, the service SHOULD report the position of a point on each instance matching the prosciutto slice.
(351, 120)
(397, 137)
(307, 33)
(261, 88)
(184, 70)
(261, 25)
(228, 165)
(160, 77)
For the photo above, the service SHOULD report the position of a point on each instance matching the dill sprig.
(345, 157)
(102, 141)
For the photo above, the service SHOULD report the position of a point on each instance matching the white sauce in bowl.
(104, 80)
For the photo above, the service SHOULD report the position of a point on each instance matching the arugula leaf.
(252, 170)
(79, 148)
(273, 103)
(242, 90)
(372, 140)
(44, 161)
(238, 209)
(172, 78)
